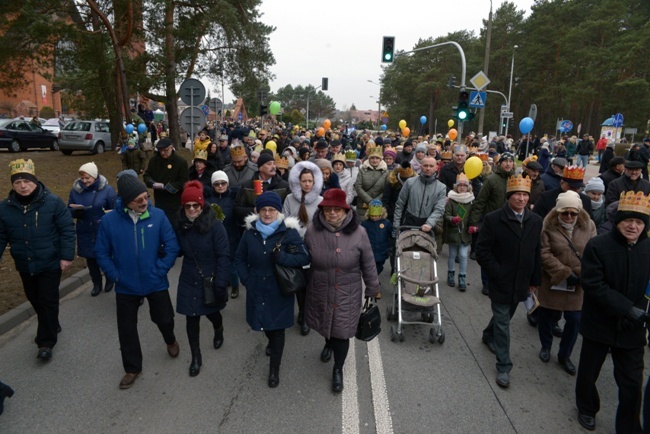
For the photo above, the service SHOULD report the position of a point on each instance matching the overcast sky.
(342, 40)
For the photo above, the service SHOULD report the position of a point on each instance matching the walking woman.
(566, 231)
(341, 256)
(90, 198)
(204, 245)
(305, 182)
(267, 309)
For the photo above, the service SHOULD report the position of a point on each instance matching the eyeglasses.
(192, 206)
(268, 210)
(219, 184)
(569, 213)
(329, 209)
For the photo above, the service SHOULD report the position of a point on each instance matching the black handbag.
(209, 292)
(369, 322)
(291, 280)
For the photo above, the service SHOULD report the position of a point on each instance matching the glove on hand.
(573, 280)
(473, 229)
(455, 220)
(637, 316)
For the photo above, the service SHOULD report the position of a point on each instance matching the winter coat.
(585, 147)
(614, 278)
(492, 196)
(394, 182)
(546, 202)
(136, 256)
(332, 182)
(379, 233)
(623, 184)
(347, 184)
(544, 158)
(339, 260)
(245, 200)
(291, 205)
(266, 307)
(571, 149)
(40, 234)
(173, 173)
(509, 252)
(536, 190)
(206, 177)
(605, 158)
(133, 159)
(369, 185)
(448, 175)
(559, 260)
(204, 241)
(457, 234)
(421, 197)
(96, 200)
(236, 178)
(608, 176)
(551, 180)
(226, 202)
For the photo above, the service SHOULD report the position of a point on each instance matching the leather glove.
(573, 280)
(637, 316)
(292, 249)
(455, 220)
(473, 229)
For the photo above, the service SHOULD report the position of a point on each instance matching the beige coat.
(559, 260)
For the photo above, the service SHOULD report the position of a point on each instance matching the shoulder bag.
(369, 322)
(291, 280)
(209, 292)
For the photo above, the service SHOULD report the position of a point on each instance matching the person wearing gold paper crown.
(201, 169)
(508, 250)
(572, 179)
(615, 276)
(239, 171)
(39, 228)
(371, 179)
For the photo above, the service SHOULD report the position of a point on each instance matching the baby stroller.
(417, 284)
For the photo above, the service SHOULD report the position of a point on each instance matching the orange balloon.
(406, 131)
(453, 134)
(320, 132)
(327, 124)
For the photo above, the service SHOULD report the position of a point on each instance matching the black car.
(19, 135)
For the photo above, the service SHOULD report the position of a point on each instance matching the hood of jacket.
(398, 176)
(381, 167)
(99, 184)
(294, 181)
(289, 222)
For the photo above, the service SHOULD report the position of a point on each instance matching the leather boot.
(337, 379)
(450, 278)
(274, 376)
(5, 392)
(462, 283)
(108, 287)
(97, 288)
(234, 292)
(218, 338)
(197, 361)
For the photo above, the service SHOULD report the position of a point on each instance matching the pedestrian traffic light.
(388, 49)
(463, 105)
(264, 109)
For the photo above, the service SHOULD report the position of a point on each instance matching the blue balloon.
(423, 120)
(526, 125)
(142, 128)
(129, 129)
(383, 127)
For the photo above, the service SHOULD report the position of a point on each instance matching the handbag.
(209, 293)
(291, 280)
(369, 322)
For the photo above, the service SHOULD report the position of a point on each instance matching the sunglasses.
(569, 213)
(192, 206)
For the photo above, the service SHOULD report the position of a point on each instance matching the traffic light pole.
(309, 92)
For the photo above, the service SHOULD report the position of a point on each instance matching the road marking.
(350, 411)
(381, 406)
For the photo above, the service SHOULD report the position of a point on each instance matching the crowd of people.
(333, 201)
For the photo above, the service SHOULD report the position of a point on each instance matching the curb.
(20, 314)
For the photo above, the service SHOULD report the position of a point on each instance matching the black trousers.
(42, 291)
(194, 329)
(276, 344)
(340, 349)
(628, 373)
(162, 314)
(94, 270)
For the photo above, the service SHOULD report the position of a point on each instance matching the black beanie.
(129, 187)
(622, 215)
(265, 156)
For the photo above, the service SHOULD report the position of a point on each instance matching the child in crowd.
(457, 234)
(379, 230)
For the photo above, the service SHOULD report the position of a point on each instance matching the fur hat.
(90, 169)
(193, 192)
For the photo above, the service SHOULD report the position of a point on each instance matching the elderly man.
(449, 172)
(166, 174)
(615, 276)
(553, 173)
(630, 181)
(509, 250)
(616, 167)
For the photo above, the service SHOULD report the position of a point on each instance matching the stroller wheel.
(393, 334)
(441, 336)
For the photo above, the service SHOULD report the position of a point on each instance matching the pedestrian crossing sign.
(477, 99)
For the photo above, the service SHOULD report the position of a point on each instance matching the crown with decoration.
(483, 156)
(573, 173)
(237, 151)
(518, 183)
(351, 155)
(473, 149)
(340, 157)
(22, 166)
(281, 162)
(201, 154)
(373, 150)
(634, 202)
(445, 155)
(529, 159)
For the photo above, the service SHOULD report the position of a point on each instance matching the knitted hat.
(193, 192)
(90, 169)
(217, 176)
(21, 169)
(595, 184)
(130, 187)
(163, 143)
(127, 172)
(390, 152)
(568, 199)
(375, 207)
(421, 148)
(322, 163)
(506, 156)
(334, 197)
(268, 198)
(633, 205)
(265, 157)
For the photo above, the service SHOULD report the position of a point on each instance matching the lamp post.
(512, 69)
(378, 104)
(486, 65)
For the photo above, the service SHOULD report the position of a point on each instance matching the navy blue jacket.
(96, 199)
(226, 202)
(379, 234)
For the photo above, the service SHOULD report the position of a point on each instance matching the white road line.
(381, 406)
(349, 401)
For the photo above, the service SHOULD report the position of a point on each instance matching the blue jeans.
(459, 250)
(498, 332)
(583, 160)
(547, 317)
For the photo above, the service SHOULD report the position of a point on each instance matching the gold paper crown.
(374, 151)
(22, 166)
(461, 177)
(237, 151)
(634, 202)
(201, 154)
(473, 149)
(281, 162)
(390, 148)
(529, 159)
(351, 155)
(518, 183)
(445, 155)
(574, 173)
(341, 157)
(483, 156)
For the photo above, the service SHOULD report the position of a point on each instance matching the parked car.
(19, 135)
(93, 136)
(52, 125)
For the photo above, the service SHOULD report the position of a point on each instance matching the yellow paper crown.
(529, 159)
(281, 162)
(574, 173)
(351, 155)
(518, 183)
(634, 202)
(473, 149)
(340, 157)
(201, 154)
(22, 166)
(461, 177)
(374, 150)
(445, 155)
(237, 151)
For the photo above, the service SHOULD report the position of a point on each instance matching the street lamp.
(512, 69)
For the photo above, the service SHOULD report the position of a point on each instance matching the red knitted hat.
(193, 192)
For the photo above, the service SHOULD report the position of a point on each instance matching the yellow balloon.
(402, 124)
(450, 123)
(473, 167)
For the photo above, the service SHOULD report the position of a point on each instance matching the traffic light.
(452, 81)
(463, 106)
(264, 109)
(504, 123)
(511, 124)
(388, 49)
(324, 83)
(454, 111)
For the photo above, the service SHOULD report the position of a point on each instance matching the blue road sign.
(477, 99)
(240, 117)
(205, 109)
(618, 120)
(566, 126)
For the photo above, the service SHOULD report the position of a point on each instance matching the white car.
(52, 125)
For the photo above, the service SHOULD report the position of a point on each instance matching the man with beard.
(630, 181)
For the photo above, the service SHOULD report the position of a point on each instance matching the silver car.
(93, 136)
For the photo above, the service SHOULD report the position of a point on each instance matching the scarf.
(466, 197)
(266, 230)
(568, 227)
(596, 205)
(336, 226)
